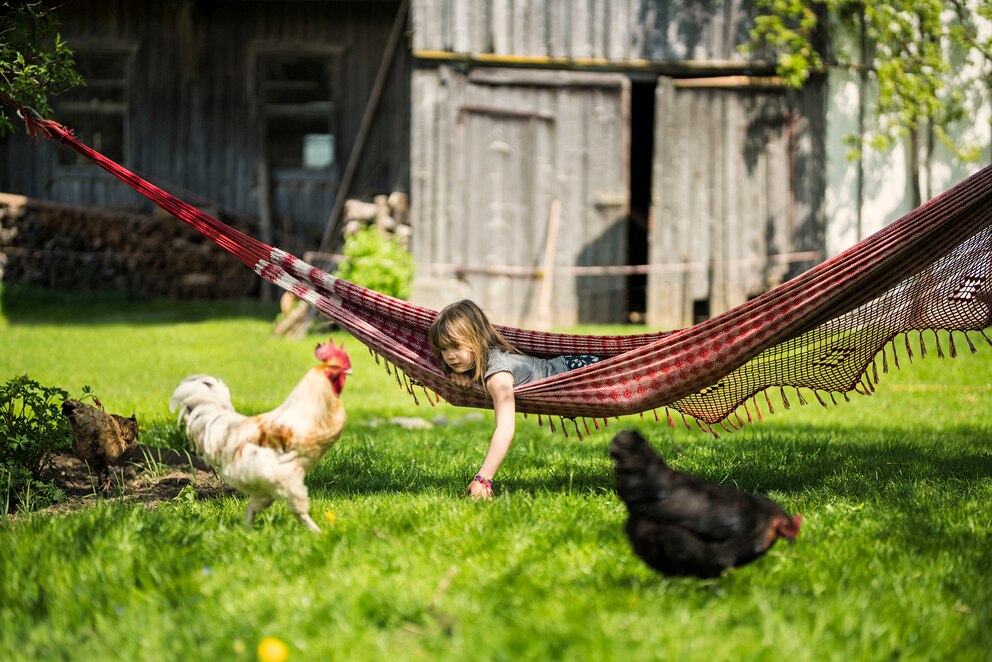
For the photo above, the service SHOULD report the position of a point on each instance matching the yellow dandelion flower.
(271, 649)
(329, 516)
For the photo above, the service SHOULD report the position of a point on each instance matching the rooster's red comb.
(325, 351)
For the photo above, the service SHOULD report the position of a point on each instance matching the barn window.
(98, 111)
(297, 93)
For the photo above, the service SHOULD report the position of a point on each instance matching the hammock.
(822, 332)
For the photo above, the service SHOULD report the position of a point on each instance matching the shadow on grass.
(787, 460)
(27, 305)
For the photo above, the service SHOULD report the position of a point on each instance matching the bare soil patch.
(147, 475)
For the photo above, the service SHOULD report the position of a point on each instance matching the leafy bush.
(378, 262)
(32, 431)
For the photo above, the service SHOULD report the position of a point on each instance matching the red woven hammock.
(822, 332)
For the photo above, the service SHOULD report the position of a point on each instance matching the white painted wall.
(886, 194)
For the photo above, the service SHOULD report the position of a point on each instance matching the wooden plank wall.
(611, 29)
(723, 194)
(192, 106)
(491, 150)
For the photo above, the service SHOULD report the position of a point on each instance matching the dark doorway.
(641, 158)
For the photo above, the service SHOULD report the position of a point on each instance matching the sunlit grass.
(893, 561)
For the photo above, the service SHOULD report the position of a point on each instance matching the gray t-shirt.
(526, 369)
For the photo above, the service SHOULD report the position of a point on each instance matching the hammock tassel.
(668, 415)
(833, 399)
(989, 341)
(686, 421)
(923, 345)
(578, 432)
(874, 371)
(802, 400)
(427, 394)
(768, 400)
(820, 399)
(952, 350)
(895, 354)
(971, 345)
(540, 421)
(940, 350)
(785, 400)
(748, 412)
(564, 429)
(909, 348)
(885, 360)
(757, 410)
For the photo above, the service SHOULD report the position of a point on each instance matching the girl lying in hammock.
(471, 351)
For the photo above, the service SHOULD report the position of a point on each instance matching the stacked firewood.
(391, 214)
(75, 248)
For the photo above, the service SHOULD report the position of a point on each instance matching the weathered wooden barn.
(567, 162)
(246, 107)
(605, 161)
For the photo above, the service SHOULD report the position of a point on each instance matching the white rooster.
(267, 456)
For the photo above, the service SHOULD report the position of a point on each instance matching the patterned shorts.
(575, 361)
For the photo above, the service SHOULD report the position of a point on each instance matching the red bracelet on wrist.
(485, 481)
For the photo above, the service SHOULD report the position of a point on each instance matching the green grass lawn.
(894, 560)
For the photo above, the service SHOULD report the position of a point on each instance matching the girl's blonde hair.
(463, 324)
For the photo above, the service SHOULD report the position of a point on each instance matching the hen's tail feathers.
(204, 404)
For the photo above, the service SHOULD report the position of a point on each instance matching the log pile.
(76, 248)
(391, 214)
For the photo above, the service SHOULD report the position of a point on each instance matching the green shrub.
(378, 262)
(32, 431)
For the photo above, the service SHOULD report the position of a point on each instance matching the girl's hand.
(479, 490)
(460, 379)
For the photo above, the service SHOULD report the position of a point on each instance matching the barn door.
(525, 146)
(298, 91)
(722, 198)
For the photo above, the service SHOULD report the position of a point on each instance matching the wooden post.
(543, 317)
(327, 244)
(264, 215)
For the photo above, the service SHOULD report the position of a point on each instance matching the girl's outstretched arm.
(500, 387)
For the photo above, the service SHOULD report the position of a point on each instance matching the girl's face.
(459, 359)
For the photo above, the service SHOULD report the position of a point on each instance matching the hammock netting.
(823, 333)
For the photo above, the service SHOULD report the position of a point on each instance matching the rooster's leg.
(256, 504)
(298, 500)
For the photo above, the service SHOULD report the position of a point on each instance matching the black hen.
(683, 525)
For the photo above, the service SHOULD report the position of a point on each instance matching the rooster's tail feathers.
(204, 404)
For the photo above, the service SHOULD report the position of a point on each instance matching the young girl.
(471, 351)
